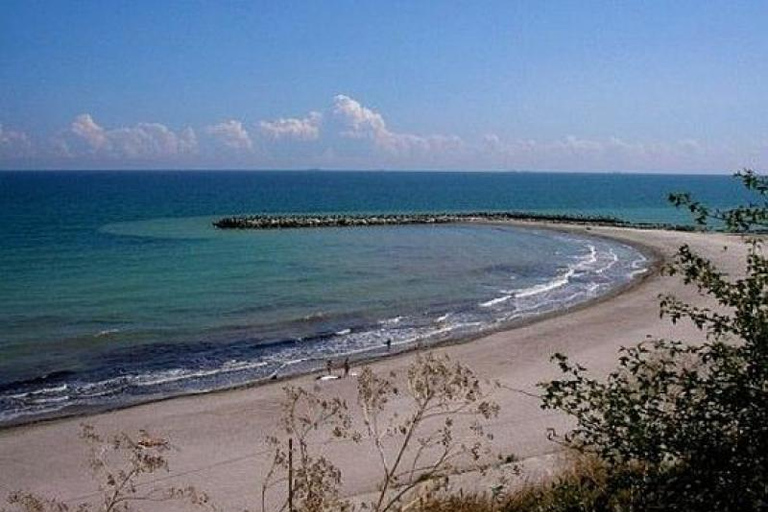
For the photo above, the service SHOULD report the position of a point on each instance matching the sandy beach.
(220, 435)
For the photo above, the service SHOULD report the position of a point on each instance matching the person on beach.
(329, 367)
(346, 367)
(389, 344)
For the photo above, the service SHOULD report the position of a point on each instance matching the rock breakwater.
(320, 221)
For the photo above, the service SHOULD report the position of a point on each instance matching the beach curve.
(220, 433)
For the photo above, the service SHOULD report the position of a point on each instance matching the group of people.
(346, 366)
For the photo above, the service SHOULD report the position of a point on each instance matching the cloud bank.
(86, 139)
(350, 135)
(291, 128)
(231, 135)
(13, 144)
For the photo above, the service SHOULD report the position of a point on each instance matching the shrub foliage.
(684, 426)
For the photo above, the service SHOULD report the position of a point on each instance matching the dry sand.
(220, 435)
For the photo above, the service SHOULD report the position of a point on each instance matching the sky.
(651, 86)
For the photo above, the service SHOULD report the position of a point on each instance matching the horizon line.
(383, 171)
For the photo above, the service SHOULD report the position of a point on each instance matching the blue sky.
(557, 85)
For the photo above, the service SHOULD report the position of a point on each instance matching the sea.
(116, 289)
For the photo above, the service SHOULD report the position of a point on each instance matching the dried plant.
(414, 431)
(424, 445)
(308, 418)
(122, 465)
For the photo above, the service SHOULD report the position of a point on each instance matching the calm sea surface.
(115, 288)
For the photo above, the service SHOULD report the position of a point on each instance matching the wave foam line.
(493, 302)
(538, 289)
(583, 264)
(588, 259)
(614, 260)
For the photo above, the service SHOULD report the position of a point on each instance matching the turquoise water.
(116, 288)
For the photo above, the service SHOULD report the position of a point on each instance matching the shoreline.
(373, 355)
(221, 433)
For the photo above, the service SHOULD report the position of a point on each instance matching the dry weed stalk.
(417, 440)
(122, 465)
(308, 418)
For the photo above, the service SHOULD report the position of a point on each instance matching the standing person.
(329, 367)
(346, 367)
(389, 344)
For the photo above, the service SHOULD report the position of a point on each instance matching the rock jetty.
(323, 221)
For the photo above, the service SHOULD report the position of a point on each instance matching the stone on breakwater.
(316, 221)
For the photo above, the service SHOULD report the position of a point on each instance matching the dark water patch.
(48, 379)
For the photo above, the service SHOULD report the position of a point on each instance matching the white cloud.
(348, 134)
(576, 146)
(307, 128)
(143, 141)
(406, 143)
(360, 122)
(612, 153)
(232, 135)
(356, 135)
(152, 140)
(14, 144)
(86, 128)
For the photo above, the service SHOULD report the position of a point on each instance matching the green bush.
(685, 427)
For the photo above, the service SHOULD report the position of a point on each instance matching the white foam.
(493, 302)
(44, 391)
(614, 260)
(51, 400)
(538, 289)
(106, 387)
(583, 264)
(638, 267)
(592, 288)
(467, 324)
(642, 259)
(589, 259)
